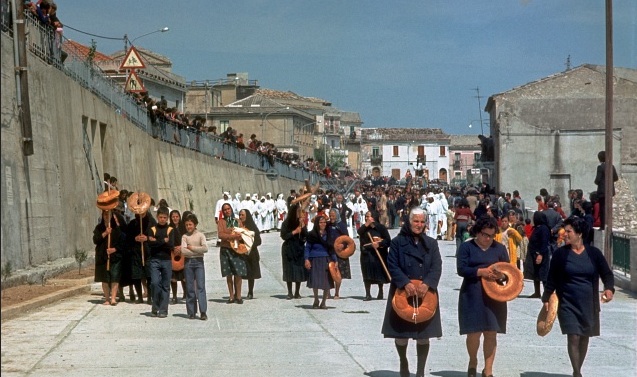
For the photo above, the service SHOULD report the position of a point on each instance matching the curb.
(80, 286)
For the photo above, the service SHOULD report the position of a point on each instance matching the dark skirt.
(232, 263)
(252, 264)
(343, 267)
(294, 270)
(396, 327)
(371, 267)
(320, 277)
(113, 275)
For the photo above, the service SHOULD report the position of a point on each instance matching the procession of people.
(317, 230)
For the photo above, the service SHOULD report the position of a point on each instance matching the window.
(223, 125)
(456, 156)
(375, 152)
(442, 151)
(477, 156)
(395, 150)
(421, 150)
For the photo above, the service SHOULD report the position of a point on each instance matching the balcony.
(376, 160)
(457, 165)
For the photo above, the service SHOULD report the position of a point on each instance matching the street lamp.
(481, 123)
(127, 41)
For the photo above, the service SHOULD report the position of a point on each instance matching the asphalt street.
(273, 336)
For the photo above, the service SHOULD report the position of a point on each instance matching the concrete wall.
(48, 199)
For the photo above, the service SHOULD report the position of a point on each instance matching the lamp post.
(481, 124)
(127, 41)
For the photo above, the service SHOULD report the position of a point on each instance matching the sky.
(397, 63)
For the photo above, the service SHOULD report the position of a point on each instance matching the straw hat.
(546, 318)
(139, 202)
(108, 200)
(344, 246)
(335, 272)
(414, 309)
(507, 288)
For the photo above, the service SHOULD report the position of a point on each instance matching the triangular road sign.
(133, 60)
(133, 83)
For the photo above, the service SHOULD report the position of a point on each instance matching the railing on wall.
(621, 252)
(43, 42)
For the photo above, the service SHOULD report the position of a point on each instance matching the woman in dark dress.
(253, 258)
(536, 264)
(317, 257)
(108, 258)
(478, 314)
(293, 233)
(413, 256)
(179, 229)
(371, 266)
(574, 275)
(335, 229)
(136, 237)
(233, 265)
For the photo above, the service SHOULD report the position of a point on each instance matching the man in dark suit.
(600, 181)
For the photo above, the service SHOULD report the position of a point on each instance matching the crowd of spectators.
(46, 12)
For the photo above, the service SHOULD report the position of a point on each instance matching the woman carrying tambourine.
(415, 266)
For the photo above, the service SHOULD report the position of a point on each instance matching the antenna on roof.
(568, 63)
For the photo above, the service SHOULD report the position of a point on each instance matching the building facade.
(546, 134)
(394, 151)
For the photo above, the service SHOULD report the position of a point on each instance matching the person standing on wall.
(600, 181)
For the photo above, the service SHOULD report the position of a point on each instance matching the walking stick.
(141, 231)
(108, 244)
(379, 257)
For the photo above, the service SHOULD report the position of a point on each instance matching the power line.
(93, 35)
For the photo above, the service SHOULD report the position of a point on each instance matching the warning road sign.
(133, 60)
(133, 83)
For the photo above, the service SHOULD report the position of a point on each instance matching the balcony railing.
(376, 160)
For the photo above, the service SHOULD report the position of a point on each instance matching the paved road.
(271, 336)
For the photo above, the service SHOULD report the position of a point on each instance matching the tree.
(80, 257)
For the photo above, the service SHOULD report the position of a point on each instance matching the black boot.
(404, 364)
(422, 351)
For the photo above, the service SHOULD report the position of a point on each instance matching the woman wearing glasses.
(478, 314)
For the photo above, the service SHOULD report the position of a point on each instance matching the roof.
(462, 141)
(628, 74)
(404, 134)
(81, 51)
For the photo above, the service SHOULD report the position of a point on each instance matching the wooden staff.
(108, 244)
(379, 257)
(141, 231)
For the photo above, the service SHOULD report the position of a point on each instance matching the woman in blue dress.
(478, 314)
(335, 229)
(574, 276)
(317, 257)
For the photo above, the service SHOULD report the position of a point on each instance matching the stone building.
(546, 133)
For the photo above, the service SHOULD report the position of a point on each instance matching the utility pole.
(609, 183)
(22, 82)
(477, 89)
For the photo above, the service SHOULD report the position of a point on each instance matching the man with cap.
(220, 203)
